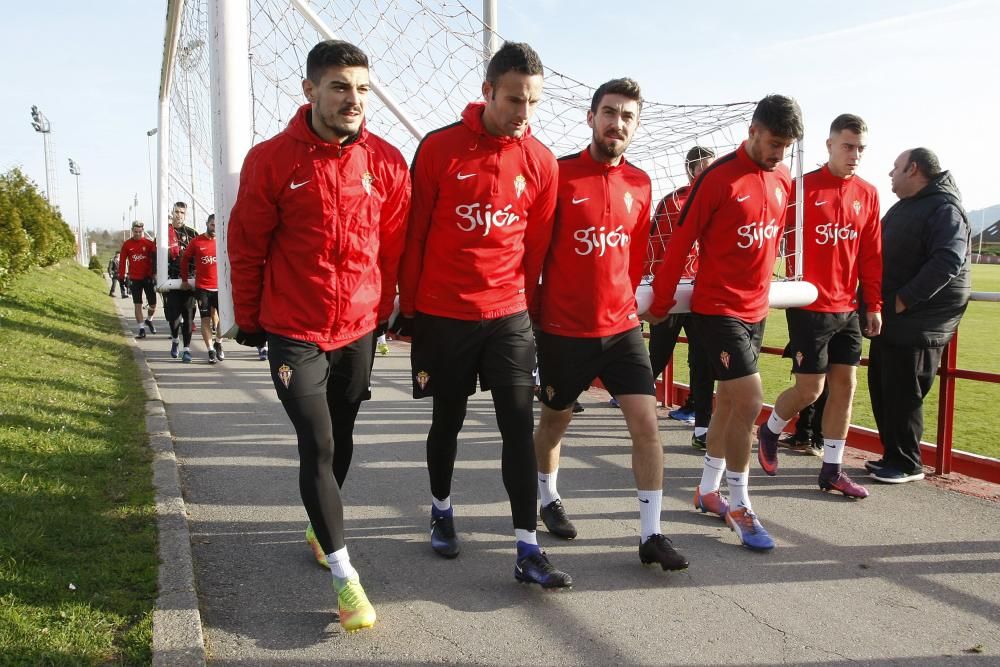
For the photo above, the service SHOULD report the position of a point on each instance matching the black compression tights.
(515, 421)
(179, 315)
(325, 431)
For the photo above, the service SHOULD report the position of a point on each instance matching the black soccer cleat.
(444, 541)
(535, 568)
(219, 352)
(659, 549)
(149, 325)
(554, 517)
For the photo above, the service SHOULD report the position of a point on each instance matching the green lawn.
(78, 560)
(977, 426)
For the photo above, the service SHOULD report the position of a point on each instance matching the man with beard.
(483, 196)
(586, 315)
(314, 244)
(736, 212)
(200, 256)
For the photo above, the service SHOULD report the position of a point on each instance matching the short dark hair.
(926, 161)
(513, 57)
(781, 115)
(137, 223)
(848, 121)
(696, 155)
(210, 218)
(180, 204)
(625, 87)
(333, 53)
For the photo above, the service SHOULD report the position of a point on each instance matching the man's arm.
(392, 234)
(251, 226)
(189, 254)
(639, 245)
(870, 260)
(694, 216)
(122, 261)
(538, 232)
(424, 196)
(947, 239)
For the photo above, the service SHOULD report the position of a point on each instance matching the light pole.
(149, 163)
(43, 127)
(74, 169)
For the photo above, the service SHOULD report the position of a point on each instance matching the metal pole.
(79, 223)
(491, 40)
(982, 228)
(149, 165)
(799, 212)
(232, 127)
(48, 187)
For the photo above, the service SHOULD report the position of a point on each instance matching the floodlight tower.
(149, 164)
(74, 168)
(44, 127)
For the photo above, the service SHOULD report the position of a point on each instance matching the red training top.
(736, 211)
(842, 239)
(598, 246)
(665, 219)
(315, 235)
(140, 255)
(480, 221)
(201, 251)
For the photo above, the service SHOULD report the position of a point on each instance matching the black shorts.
(208, 299)
(145, 286)
(732, 345)
(447, 355)
(566, 366)
(816, 340)
(300, 368)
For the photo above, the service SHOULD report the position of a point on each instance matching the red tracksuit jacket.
(842, 239)
(315, 235)
(736, 212)
(140, 255)
(479, 224)
(665, 218)
(201, 252)
(598, 248)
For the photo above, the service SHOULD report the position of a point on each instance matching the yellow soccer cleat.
(315, 546)
(356, 612)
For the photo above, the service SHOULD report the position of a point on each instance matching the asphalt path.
(909, 576)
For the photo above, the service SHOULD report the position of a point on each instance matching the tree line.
(32, 232)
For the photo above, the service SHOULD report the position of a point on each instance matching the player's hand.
(249, 338)
(185, 285)
(402, 326)
(652, 319)
(873, 324)
(900, 306)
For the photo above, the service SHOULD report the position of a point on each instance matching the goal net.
(427, 56)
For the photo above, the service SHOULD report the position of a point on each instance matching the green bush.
(32, 232)
(95, 265)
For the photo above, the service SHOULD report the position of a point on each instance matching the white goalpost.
(232, 72)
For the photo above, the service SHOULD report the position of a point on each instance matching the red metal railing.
(944, 459)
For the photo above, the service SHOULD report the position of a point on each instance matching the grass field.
(78, 558)
(977, 425)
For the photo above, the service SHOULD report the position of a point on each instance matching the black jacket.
(926, 254)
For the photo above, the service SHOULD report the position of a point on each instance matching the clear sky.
(920, 72)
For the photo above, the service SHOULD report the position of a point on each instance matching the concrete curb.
(177, 631)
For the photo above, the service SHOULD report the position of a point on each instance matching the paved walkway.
(910, 576)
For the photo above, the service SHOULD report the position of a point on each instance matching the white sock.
(441, 505)
(340, 564)
(547, 490)
(526, 536)
(700, 431)
(711, 474)
(174, 340)
(649, 512)
(187, 348)
(833, 451)
(737, 483)
(776, 423)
